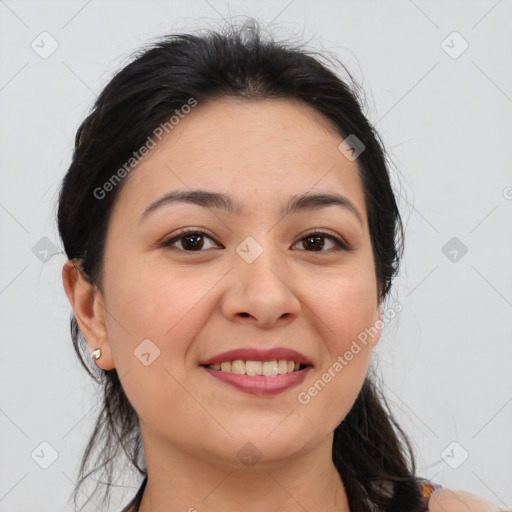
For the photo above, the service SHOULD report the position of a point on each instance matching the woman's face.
(252, 279)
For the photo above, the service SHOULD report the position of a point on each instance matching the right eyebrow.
(202, 198)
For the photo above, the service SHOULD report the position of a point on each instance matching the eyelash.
(340, 244)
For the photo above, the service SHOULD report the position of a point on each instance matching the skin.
(447, 500)
(194, 305)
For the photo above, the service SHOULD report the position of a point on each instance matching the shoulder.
(448, 500)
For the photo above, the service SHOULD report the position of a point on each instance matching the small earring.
(96, 353)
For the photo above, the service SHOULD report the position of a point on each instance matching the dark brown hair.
(370, 451)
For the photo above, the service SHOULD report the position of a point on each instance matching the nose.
(260, 292)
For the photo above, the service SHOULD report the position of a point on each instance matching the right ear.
(88, 307)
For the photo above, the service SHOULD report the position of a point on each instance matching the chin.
(253, 447)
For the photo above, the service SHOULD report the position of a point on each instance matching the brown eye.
(315, 242)
(197, 241)
(189, 241)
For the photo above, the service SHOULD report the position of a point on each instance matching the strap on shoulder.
(426, 490)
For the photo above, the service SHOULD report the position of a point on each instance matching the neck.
(179, 481)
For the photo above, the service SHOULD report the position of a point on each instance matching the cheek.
(344, 310)
(154, 319)
(347, 304)
(150, 302)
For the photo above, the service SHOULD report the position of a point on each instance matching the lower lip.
(259, 384)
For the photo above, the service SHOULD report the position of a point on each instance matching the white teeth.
(238, 367)
(266, 368)
(225, 367)
(282, 366)
(253, 367)
(269, 368)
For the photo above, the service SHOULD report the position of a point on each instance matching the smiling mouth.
(258, 368)
(260, 378)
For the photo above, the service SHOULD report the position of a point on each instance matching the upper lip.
(259, 354)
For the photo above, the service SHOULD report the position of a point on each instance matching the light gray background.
(447, 123)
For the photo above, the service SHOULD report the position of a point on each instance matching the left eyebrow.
(220, 201)
(314, 201)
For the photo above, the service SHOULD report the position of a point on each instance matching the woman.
(232, 237)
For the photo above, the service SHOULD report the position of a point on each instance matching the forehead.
(256, 149)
